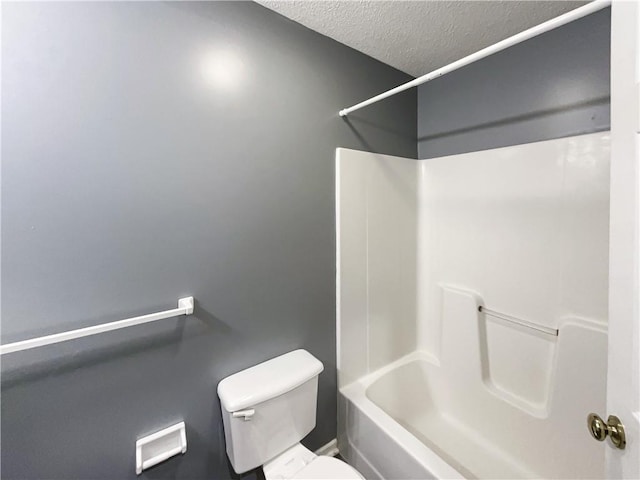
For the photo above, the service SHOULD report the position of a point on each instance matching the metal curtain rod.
(185, 307)
(485, 52)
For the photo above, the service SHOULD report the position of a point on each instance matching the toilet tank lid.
(268, 380)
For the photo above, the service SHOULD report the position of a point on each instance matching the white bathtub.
(375, 443)
(408, 420)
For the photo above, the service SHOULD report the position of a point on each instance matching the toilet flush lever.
(246, 414)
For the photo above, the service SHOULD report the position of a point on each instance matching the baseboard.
(330, 449)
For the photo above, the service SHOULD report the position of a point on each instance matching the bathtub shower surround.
(472, 310)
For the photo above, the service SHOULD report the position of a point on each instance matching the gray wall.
(551, 86)
(127, 183)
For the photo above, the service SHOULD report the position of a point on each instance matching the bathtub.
(408, 420)
(500, 401)
(378, 445)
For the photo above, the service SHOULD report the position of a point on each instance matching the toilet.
(267, 410)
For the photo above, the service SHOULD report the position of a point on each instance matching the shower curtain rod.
(485, 52)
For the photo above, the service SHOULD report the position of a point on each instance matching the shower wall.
(426, 250)
(376, 200)
(523, 228)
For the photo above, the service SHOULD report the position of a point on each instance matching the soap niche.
(517, 363)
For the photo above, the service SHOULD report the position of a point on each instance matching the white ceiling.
(418, 36)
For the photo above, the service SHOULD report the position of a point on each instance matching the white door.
(623, 378)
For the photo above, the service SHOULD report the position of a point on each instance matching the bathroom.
(154, 151)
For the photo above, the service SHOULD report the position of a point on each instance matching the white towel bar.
(185, 307)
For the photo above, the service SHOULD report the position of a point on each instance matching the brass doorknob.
(613, 429)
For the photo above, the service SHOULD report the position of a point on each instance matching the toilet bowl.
(267, 410)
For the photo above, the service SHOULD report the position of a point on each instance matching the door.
(623, 376)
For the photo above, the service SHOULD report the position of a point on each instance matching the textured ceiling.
(418, 36)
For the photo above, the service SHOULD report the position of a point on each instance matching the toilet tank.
(269, 407)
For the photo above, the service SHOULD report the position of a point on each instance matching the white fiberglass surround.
(430, 387)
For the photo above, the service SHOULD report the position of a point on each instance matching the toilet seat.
(327, 468)
(300, 463)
